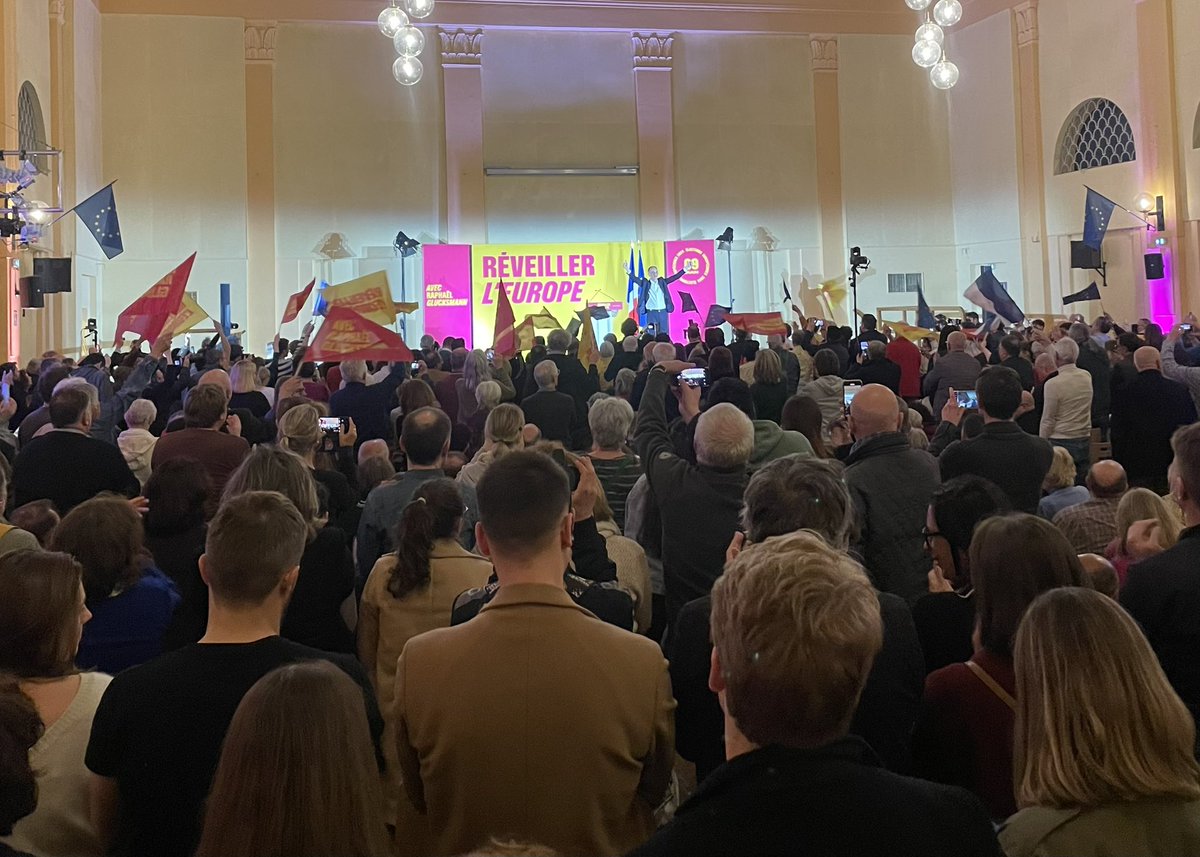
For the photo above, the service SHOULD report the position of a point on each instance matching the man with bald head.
(1091, 525)
(700, 504)
(1145, 413)
(891, 484)
(956, 369)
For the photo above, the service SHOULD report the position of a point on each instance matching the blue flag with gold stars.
(99, 214)
(1097, 212)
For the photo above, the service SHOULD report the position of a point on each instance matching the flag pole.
(81, 202)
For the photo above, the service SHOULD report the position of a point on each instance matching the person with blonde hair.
(1059, 485)
(1146, 526)
(770, 389)
(243, 376)
(796, 627)
(300, 433)
(502, 435)
(1103, 746)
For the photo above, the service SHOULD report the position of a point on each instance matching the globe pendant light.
(944, 75)
(409, 42)
(926, 54)
(930, 32)
(392, 20)
(407, 70)
(947, 13)
(918, 5)
(419, 8)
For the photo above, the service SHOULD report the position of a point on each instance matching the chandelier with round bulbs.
(929, 50)
(409, 41)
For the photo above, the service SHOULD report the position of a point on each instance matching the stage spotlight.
(405, 246)
(725, 239)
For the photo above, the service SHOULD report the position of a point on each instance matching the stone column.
(828, 132)
(262, 299)
(462, 86)
(1031, 174)
(59, 329)
(10, 305)
(652, 64)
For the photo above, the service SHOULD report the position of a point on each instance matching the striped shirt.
(617, 476)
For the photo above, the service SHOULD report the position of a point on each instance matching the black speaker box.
(32, 295)
(1154, 266)
(55, 274)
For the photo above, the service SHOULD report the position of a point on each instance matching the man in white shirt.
(654, 300)
(1067, 416)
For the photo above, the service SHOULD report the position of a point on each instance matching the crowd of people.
(837, 592)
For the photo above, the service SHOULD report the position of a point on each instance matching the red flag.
(296, 303)
(346, 335)
(149, 314)
(762, 323)
(504, 338)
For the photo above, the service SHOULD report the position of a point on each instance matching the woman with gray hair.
(136, 442)
(787, 495)
(623, 385)
(610, 420)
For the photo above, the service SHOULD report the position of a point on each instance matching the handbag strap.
(992, 685)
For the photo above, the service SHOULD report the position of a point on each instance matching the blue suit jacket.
(644, 291)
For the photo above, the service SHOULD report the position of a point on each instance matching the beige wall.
(929, 179)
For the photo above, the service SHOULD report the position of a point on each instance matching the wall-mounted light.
(1152, 206)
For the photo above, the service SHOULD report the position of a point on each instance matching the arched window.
(1096, 134)
(31, 126)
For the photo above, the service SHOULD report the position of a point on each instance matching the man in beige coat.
(535, 720)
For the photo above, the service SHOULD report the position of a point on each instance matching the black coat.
(553, 413)
(663, 283)
(1145, 413)
(1015, 461)
(882, 371)
(831, 801)
(1163, 594)
(1094, 360)
(887, 711)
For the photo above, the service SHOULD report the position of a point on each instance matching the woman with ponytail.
(412, 591)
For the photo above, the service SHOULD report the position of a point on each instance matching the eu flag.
(99, 214)
(1097, 213)
(320, 306)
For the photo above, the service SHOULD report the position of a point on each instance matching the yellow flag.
(369, 296)
(190, 315)
(544, 320)
(909, 332)
(407, 308)
(589, 351)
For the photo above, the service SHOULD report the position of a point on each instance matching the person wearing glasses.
(945, 618)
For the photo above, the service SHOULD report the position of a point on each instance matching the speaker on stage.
(32, 294)
(1154, 266)
(1084, 257)
(55, 274)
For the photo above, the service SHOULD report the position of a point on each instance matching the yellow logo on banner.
(563, 278)
(369, 296)
(190, 315)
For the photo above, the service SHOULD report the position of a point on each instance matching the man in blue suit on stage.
(654, 300)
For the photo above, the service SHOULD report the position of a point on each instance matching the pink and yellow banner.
(462, 283)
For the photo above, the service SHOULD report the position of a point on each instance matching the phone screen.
(331, 424)
(694, 377)
(968, 399)
(1186, 328)
(863, 347)
(849, 391)
(490, 354)
(4, 390)
(415, 367)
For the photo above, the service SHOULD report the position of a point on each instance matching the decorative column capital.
(259, 41)
(653, 50)
(461, 47)
(1027, 23)
(58, 11)
(824, 52)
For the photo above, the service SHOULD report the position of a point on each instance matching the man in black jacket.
(1094, 360)
(1162, 592)
(873, 367)
(795, 782)
(700, 503)
(1015, 461)
(552, 411)
(573, 379)
(892, 484)
(1145, 413)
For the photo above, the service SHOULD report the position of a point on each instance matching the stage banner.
(448, 299)
(698, 261)
(562, 278)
